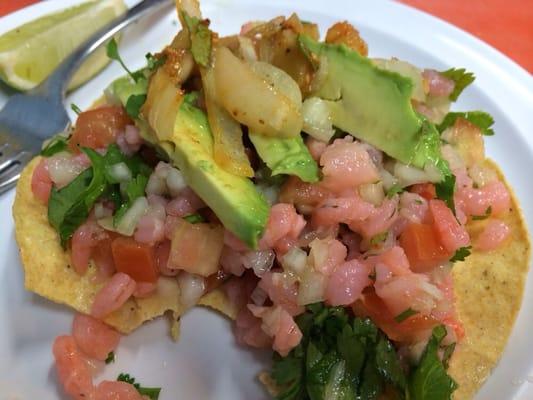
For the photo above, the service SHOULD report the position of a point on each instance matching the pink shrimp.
(113, 390)
(394, 258)
(93, 337)
(452, 235)
(84, 240)
(150, 229)
(185, 204)
(345, 209)
(162, 252)
(438, 84)
(41, 183)
(495, 233)
(347, 282)
(413, 207)
(326, 254)
(144, 289)
(494, 195)
(278, 324)
(231, 261)
(283, 221)
(316, 147)
(113, 295)
(248, 330)
(379, 221)
(280, 293)
(72, 369)
(346, 164)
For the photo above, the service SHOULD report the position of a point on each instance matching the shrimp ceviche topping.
(324, 194)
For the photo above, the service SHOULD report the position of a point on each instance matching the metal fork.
(27, 119)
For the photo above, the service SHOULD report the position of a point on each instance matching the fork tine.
(9, 179)
(21, 157)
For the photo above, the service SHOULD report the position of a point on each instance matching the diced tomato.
(450, 232)
(99, 127)
(135, 259)
(422, 247)
(410, 330)
(426, 190)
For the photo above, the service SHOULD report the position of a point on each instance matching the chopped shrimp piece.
(72, 369)
(380, 220)
(41, 183)
(185, 204)
(494, 234)
(231, 261)
(438, 84)
(342, 210)
(452, 235)
(283, 221)
(316, 147)
(347, 164)
(162, 253)
(413, 207)
(84, 240)
(494, 195)
(93, 337)
(326, 254)
(406, 291)
(248, 330)
(345, 33)
(305, 196)
(115, 390)
(150, 229)
(280, 293)
(113, 295)
(347, 282)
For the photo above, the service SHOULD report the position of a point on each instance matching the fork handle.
(55, 86)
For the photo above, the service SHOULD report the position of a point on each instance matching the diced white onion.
(120, 172)
(387, 179)
(317, 119)
(63, 168)
(321, 74)
(101, 211)
(106, 223)
(482, 176)
(312, 287)
(246, 48)
(372, 193)
(126, 225)
(408, 175)
(156, 185)
(175, 182)
(450, 154)
(295, 260)
(260, 261)
(192, 287)
(279, 81)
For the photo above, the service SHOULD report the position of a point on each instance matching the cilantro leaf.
(57, 144)
(430, 380)
(200, 39)
(69, 207)
(75, 108)
(154, 62)
(113, 53)
(481, 119)
(110, 358)
(152, 393)
(405, 314)
(194, 218)
(134, 104)
(445, 190)
(462, 79)
(461, 254)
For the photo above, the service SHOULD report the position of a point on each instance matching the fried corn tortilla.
(47, 270)
(498, 276)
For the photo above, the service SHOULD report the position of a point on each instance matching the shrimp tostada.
(328, 202)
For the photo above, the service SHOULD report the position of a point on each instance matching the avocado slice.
(286, 156)
(372, 104)
(188, 142)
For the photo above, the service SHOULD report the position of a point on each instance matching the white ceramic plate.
(206, 364)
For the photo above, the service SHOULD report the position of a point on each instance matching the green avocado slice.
(286, 156)
(370, 103)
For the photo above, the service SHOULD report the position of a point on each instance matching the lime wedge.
(30, 52)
